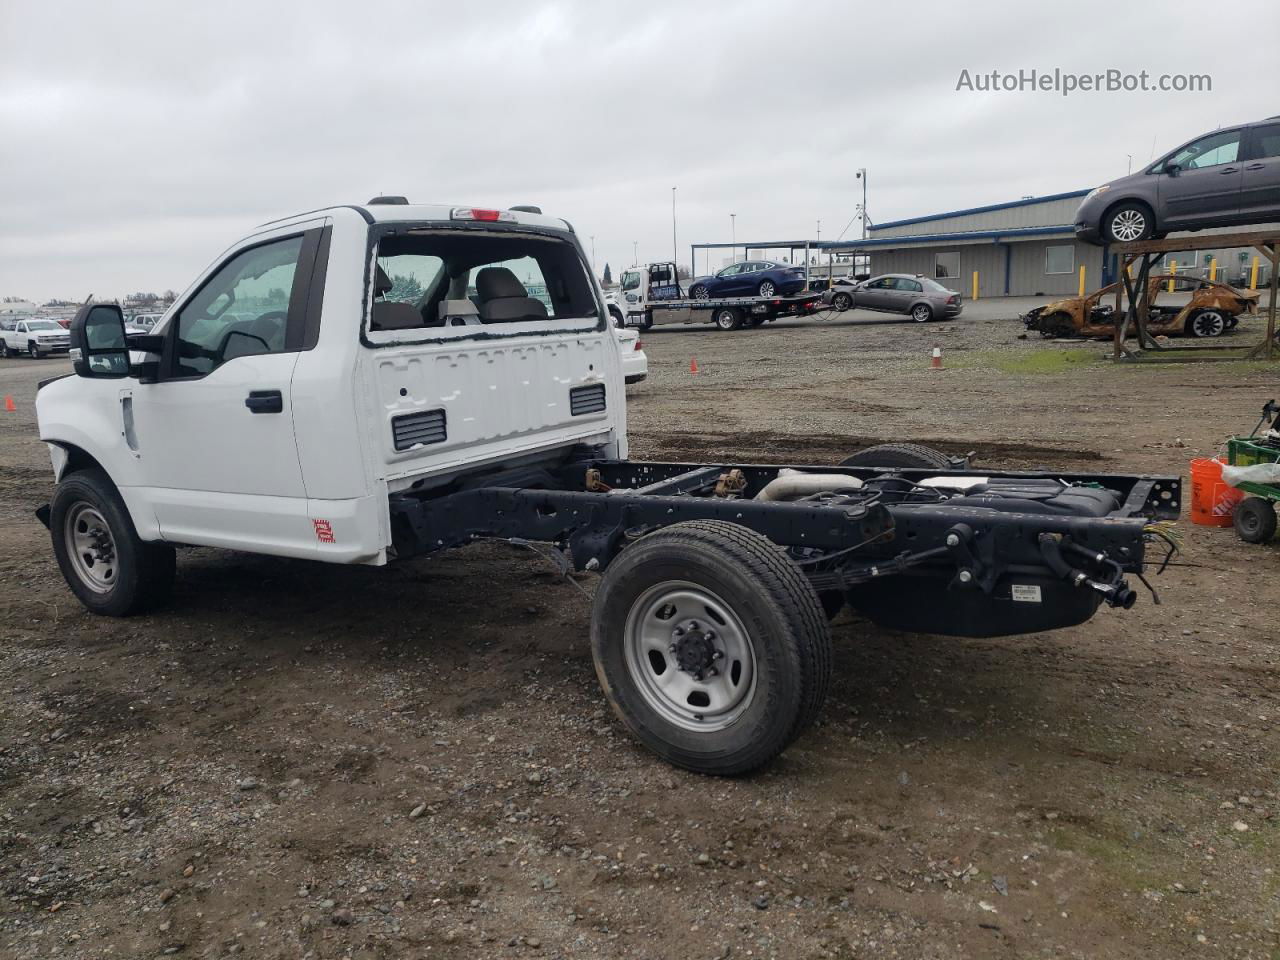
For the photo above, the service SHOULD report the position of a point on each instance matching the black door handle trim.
(265, 401)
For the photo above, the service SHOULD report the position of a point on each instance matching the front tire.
(105, 563)
(1254, 519)
(33, 351)
(699, 292)
(1128, 222)
(711, 646)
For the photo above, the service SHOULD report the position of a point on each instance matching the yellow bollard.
(1253, 275)
(975, 285)
(1081, 291)
(1173, 271)
(1213, 269)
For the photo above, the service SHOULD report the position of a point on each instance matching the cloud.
(140, 138)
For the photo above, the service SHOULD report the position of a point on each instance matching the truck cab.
(326, 361)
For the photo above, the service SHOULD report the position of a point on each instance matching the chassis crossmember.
(1025, 552)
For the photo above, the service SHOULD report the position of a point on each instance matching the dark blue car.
(751, 278)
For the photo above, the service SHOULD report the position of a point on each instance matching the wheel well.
(77, 459)
(1135, 201)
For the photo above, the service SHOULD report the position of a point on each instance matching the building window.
(946, 266)
(1060, 259)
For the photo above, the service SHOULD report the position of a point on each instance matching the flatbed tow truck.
(291, 404)
(651, 294)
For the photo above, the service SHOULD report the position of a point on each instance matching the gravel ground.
(296, 760)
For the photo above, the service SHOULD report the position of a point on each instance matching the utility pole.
(819, 237)
(733, 235)
(675, 255)
(862, 175)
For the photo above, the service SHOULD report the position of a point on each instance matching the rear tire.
(1206, 323)
(727, 318)
(1254, 519)
(922, 313)
(105, 563)
(767, 288)
(899, 455)
(663, 611)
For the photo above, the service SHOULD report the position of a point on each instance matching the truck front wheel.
(107, 566)
(711, 646)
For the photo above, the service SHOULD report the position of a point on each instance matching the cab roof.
(392, 210)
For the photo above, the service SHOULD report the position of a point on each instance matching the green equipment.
(1254, 517)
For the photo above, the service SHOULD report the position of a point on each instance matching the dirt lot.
(295, 760)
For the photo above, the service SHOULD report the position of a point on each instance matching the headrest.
(381, 282)
(496, 283)
(458, 308)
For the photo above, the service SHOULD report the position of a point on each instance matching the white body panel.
(194, 465)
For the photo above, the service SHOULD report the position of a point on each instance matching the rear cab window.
(434, 282)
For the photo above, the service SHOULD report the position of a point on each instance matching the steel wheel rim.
(920, 314)
(1128, 225)
(677, 612)
(724, 319)
(91, 547)
(1209, 323)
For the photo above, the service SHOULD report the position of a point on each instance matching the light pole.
(635, 253)
(675, 256)
(733, 235)
(862, 175)
(593, 253)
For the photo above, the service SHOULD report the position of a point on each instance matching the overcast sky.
(138, 140)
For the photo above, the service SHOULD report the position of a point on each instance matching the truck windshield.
(42, 325)
(460, 278)
(631, 280)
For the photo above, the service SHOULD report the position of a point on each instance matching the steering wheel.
(220, 355)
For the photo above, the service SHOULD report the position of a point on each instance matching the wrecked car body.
(1211, 310)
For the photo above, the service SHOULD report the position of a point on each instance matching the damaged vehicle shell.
(1212, 309)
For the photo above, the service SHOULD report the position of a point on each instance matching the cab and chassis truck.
(296, 401)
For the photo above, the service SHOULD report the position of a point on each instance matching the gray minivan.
(1225, 178)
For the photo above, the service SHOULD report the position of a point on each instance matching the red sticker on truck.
(324, 531)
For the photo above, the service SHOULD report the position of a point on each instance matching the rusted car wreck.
(1211, 309)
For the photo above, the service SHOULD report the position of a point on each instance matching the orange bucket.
(1212, 499)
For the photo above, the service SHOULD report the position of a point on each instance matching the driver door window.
(1208, 151)
(242, 310)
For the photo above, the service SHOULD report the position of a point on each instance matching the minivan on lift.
(1230, 177)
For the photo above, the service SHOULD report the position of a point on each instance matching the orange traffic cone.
(693, 364)
(8, 404)
(935, 363)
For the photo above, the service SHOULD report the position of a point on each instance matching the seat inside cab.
(461, 278)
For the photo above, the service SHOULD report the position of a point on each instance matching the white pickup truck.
(366, 383)
(36, 337)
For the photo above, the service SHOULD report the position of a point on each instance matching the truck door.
(213, 433)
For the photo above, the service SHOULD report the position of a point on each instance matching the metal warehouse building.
(1022, 248)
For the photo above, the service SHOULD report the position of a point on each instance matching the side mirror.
(1172, 169)
(98, 344)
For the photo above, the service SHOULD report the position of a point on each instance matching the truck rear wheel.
(899, 455)
(728, 318)
(711, 646)
(106, 564)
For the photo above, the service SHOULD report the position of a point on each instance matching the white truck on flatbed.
(651, 294)
(366, 383)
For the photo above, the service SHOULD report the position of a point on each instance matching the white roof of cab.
(400, 212)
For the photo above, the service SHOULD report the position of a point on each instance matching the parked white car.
(35, 337)
(635, 364)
